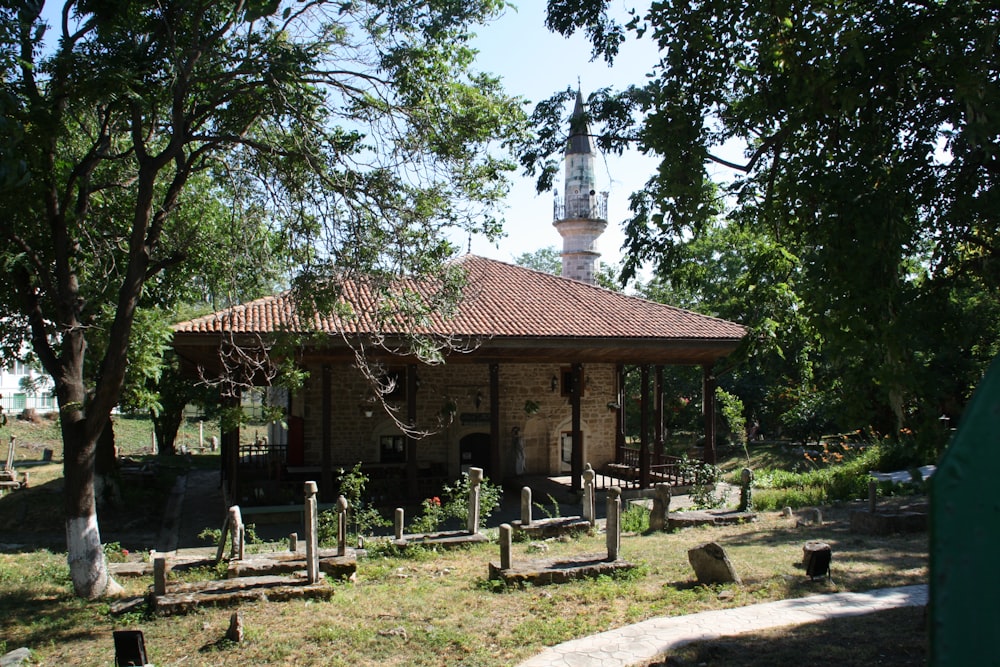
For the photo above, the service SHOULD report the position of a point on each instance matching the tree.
(546, 260)
(870, 155)
(357, 132)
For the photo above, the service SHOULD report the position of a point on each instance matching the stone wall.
(527, 402)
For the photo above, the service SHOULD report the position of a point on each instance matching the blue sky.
(534, 63)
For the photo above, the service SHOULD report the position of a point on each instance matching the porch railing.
(626, 472)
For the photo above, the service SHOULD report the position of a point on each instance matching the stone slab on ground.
(183, 598)
(552, 527)
(888, 522)
(18, 656)
(175, 562)
(445, 540)
(330, 564)
(557, 571)
(708, 518)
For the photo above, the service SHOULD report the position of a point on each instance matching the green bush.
(635, 519)
(456, 499)
(765, 500)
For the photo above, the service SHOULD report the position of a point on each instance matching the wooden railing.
(626, 473)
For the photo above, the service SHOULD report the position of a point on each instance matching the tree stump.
(816, 557)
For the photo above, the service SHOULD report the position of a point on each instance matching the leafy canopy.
(869, 137)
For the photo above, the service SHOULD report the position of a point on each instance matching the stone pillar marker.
(589, 502)
(341, 526)
(505, 546)
(293, 542)
(397, 523)
(237, 530)
(525, 506)
(614, 524)
(312, 529)
(159, 576)
(746, 480)
(475, 479)
(659, 515)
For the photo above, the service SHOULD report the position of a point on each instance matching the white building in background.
(23, 387)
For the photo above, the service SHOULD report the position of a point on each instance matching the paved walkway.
(643, 642)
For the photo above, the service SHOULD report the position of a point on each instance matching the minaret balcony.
(582, 207)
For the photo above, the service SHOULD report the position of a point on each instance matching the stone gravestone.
(235, 632)
(712, 565)
(659, 515)
(475, 479)
(613, 525)
(525, 506)
(746, 481)
(589, 502)
(341, 526)
(312, 529)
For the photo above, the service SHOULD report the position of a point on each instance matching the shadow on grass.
(897, 637)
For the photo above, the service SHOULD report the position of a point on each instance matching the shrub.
(456, 499)
(431, 516)
(635, 519)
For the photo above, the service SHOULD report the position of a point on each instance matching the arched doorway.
(474, 452)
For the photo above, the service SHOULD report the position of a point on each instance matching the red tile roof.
(501, 301)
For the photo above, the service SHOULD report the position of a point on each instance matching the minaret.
(582, 215)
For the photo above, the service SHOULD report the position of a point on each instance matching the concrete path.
(643, 642)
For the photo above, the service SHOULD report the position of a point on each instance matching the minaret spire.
(582, 215)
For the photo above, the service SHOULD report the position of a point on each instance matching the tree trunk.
(165, 425)
(84, 552)
(107, 481)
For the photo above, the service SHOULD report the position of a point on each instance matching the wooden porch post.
(496, 461)
(644, 430)
(620, 417)
(230, 458)
(412, 485)
(326, 435)
(708, 412)
(576, 464)
(658, 416)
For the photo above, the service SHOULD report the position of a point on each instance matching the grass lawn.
(438, 608)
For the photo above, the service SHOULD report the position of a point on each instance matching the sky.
(535, 63)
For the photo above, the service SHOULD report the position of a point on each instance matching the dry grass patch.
(438, 608)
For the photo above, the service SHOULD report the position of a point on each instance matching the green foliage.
(362, 517)
(834, 475)
(635, 519)
(362, 138)
(731, 408)
(455, 505)
(862, 200)
(552, 510)
(114, 553)
(430, 518)
(456, 499)
(704, 492)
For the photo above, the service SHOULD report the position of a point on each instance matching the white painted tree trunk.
(85, 554)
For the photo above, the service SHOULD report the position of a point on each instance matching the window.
(566, 381)
(392, 449)
(18, 367)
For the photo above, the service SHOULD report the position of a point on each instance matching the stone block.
(712, 565)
